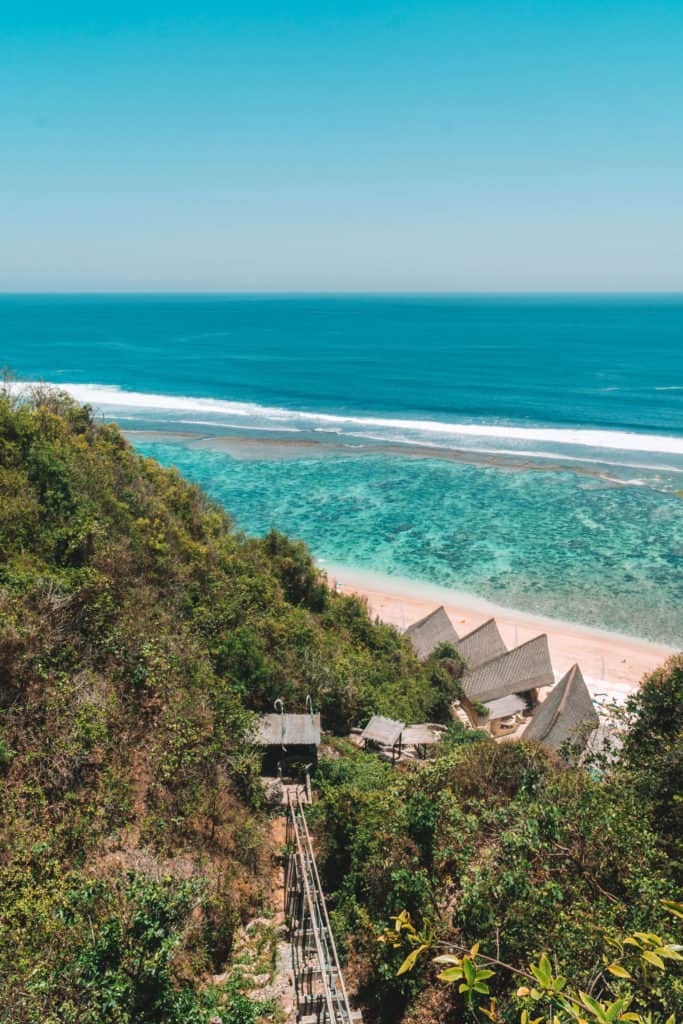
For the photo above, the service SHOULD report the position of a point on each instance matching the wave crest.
(109, 398)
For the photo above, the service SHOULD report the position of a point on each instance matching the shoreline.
(612, 664)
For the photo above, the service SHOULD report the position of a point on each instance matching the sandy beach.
(611, 664)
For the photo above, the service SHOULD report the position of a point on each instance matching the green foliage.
(653, 752)
(78, 949)
(291, 563)
(497, 844)
(458, 735)
(445, 650)
(138, 633)
(551, 994)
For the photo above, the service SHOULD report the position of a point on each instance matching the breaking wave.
(160, 409)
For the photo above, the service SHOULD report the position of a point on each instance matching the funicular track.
(321, 996)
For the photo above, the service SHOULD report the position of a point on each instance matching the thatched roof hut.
(567, 714)
(524, 668)
(426, 634)
(505, 707)
(481, 645)
(423, 735)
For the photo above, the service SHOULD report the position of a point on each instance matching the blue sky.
(342, 147)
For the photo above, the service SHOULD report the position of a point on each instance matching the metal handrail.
(318, 903)
(311, 910)
(319, 887)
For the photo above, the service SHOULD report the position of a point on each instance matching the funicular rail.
(321, 995)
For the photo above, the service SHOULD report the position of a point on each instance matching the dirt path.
(283, 984)
(262, 955)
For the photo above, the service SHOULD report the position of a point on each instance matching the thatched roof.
(483, 644)
(422, 735)
(384, 731)
(526, 667)
(567, 713)
(434, 629)
(288, 730)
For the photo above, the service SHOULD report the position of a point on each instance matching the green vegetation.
(138, 633)
(545, 991)
(506, 848)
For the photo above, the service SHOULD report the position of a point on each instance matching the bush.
(493, 843)
(138, 634)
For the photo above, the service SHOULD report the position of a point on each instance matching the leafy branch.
(543, 991)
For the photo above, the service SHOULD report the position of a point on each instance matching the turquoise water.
(549, 542)
(529, 451)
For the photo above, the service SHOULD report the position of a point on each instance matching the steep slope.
(138, 632)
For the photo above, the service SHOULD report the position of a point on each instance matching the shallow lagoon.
(554, 542)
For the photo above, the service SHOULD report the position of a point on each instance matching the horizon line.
(344, 293)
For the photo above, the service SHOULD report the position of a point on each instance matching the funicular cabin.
(289, 742)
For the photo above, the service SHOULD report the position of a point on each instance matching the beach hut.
(481, 645)
(503, 715)
(518, 674)
(567, 715)
(426, 634)
(524, 669)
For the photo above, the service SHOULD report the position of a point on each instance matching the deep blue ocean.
(526, 450)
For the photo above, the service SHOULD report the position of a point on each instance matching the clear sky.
(376, 146)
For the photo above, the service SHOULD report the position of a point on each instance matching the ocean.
(525, 450)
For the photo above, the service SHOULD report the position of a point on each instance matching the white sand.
(611, 664)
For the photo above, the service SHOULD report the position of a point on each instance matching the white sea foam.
(624, 483)
(109, 397)
(517, 452)
(237, 426)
